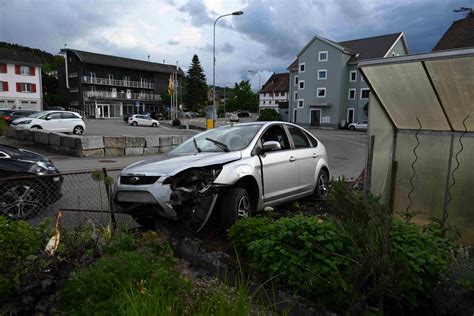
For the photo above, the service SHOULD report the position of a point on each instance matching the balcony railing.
(119, 83)
(121, 96)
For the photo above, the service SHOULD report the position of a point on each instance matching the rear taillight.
(7, 117)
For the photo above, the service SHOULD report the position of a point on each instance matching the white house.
(20, 80)
(274, 92)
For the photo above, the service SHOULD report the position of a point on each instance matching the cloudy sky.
(265, 38)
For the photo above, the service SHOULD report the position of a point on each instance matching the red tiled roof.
(276, 83)
(460, 34)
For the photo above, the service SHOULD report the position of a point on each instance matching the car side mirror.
(271, 146)
(47, 118)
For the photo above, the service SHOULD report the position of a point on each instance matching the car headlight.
(42, 167)
(195, 179)
(24, 122)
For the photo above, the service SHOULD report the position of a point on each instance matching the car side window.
(54, 116)
(68, 116)
(312, 141)
(276, 133)
(299, 138)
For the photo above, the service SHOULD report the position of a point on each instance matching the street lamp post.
(259, 86)
(214, 64)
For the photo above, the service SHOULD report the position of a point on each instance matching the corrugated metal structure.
(421, 132)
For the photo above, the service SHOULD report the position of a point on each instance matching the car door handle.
(315, 155)
(292, 159)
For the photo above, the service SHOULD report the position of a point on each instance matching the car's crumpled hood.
(173, 164)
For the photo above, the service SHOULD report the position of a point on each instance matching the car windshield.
(40, 115)
(222, 139)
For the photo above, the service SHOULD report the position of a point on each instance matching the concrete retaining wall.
(97, 146)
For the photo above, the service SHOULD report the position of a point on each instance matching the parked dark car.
(243, 114)
(29, 182)
(10, 115)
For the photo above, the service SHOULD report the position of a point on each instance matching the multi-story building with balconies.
(326, 87)
(20, 80)
(105, 86)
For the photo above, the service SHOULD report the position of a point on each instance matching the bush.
(310, 255)
(18, 241)
(247, 230)
(269, 115)
(176, 122)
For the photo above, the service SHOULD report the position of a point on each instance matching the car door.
(69, 121)
(279, 167)
(306, 153)
(53, 122)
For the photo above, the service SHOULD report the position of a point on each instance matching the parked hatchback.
(361, 125)
(55, 121)
(28, 183)
(142, 120)
(231, 171)
(10, 115)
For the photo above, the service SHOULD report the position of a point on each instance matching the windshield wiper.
(219, 144)
(196, 145)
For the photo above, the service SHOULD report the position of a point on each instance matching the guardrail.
(120, 83)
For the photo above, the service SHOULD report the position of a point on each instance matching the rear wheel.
(21, 200)
(78, 130)
(134, 123)
(322, 185)
(235, 205)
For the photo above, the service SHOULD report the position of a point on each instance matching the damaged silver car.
(230, 171)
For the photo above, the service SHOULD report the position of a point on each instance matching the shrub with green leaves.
(247, 230)
(311, 255)
(18, 241)
(421, 257)
(269, 115)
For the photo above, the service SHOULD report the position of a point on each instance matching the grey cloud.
(197, 11)
(102, 43)
(225, 48)
(173, 42)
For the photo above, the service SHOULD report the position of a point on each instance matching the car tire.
(235, 205)
(134, 124)
(78, 130)
(36, 127)
(147, 222)
(22, 200)
(322, 185)
(154, 125)
(352, 128)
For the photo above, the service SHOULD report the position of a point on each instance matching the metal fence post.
(110, 200)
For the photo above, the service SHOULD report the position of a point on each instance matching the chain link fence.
(82, 196)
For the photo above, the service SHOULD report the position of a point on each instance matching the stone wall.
(96, 146)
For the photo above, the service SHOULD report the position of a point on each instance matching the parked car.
(234, 117)
(230, 170)
(55, 121)
(244, 114)
(10, 115)
(361, 125)
(21, 195)
(142, 120)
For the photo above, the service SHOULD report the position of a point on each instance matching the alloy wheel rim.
(19, 201)
(78, 131)
(323, 185)
(243, 207)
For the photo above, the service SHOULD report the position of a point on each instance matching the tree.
(244, 98)
(196, 87)
(269, 115)
(468, 12)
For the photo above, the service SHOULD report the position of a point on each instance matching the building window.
(3, 68)
(353, 76)
(263, 102)
(302, 67)
(364, 93)
(323, 56)
(74, 90)
(301, 85)
(25, 70)
(3, 86)
(362, 78)
(352, 94)
(26, 87)
(301, 103)
(295, 96)
(321, 93)
(296, 80)
(322, 74)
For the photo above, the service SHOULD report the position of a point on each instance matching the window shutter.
(18, 87)
(3, 68)
(33, 87)
(5, 86)
(32, 71)
(17, 69)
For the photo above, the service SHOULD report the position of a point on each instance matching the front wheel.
(21, 200)
(154, 125)
(352, 128)
(36, 127)
(134, 124)
(78, 130)
(235, 205)
(322, 185)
